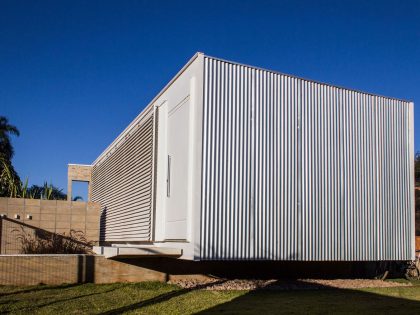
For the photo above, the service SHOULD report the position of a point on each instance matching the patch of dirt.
(300, 284)
(356, 283)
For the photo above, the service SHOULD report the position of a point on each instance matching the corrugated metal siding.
(298, 170)
(122, 182)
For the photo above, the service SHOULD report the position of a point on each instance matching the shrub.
(44, 242)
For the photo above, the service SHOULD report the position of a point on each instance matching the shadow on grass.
(297, 296)
(22, 309)
(58, 301)
(39, 288)
(305, 297)
(158, 299)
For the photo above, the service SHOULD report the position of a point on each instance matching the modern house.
(233, 162)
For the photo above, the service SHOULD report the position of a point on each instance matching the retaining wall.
(55, 216)
(59, 269)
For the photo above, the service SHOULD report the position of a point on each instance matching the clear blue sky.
(73, 74)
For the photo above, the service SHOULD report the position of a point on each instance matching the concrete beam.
(130, 252)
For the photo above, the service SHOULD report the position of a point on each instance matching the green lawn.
(159, 298)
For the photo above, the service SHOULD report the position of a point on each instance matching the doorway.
(176, 218)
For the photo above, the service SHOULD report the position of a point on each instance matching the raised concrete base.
(133, 251)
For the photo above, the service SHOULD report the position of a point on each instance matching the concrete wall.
(56, 216)
(80, 173)
(59, 269)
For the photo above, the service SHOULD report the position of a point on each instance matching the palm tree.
(48, 192)
(6, 154)
(6, 129)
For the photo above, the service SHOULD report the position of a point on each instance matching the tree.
(8, 174)
(10, 183)
(6, 130)
(48, 192)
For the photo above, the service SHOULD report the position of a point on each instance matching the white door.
(177, 172)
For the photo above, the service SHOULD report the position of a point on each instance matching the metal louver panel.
(122, 182)
(299, 170)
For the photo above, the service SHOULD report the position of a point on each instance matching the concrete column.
(69, 188)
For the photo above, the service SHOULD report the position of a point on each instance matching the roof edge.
(305, 79)
(145, 110)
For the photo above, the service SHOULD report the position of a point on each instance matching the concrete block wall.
(81, 173)
(39, 269)
(56, 216)
(59, 269)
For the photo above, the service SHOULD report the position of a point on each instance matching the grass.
(404, 281)
(160, 298)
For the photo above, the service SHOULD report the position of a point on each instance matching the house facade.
(233, 162)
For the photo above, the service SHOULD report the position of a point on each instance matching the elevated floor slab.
(140, 251)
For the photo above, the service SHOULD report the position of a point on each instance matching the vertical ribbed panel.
(298, 170)
(122, 182)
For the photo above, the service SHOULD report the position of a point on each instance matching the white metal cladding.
(122, 182)
(299, 170)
